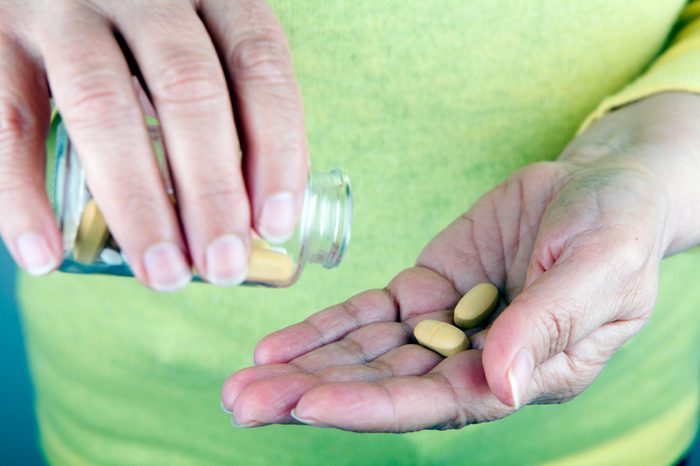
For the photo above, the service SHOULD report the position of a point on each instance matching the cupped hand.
(198, 60)
(574, 247)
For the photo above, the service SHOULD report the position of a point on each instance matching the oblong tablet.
(476, 305)
(441, 337)
(92, 234)
(260, 243)
(267, 266)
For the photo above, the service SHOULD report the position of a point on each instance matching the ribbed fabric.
(426, 105)
(677, 69)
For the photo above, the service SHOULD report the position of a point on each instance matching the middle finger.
(189, 92)
(91, 83)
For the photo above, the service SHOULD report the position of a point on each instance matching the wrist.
(657, 138)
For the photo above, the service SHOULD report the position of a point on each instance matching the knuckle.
(125, 190)
(135, 210)
(263, 57)
(189, 80)
(17, 122)
(286, 154)
(123, 203)
(15, 184)
(96, 97)
(556, 330)
(219, 195)
(629, 252)
(631, 265)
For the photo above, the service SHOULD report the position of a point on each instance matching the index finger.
(415, 291)
(450, 265)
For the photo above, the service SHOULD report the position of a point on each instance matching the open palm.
(574, 249)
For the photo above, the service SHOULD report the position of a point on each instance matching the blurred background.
(18, 444)
(17, 427)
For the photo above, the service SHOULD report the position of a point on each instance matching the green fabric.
(426, 105)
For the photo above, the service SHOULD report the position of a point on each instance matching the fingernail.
(277, 217)
(520, 375)
(247, 424)
(224, 408)
(166, 267)
(308, 421)
(226, 261)
(35, 253)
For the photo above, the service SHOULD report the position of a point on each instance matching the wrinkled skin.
(197, 59)
(574, 246)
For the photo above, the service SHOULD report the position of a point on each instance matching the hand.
(185, 51)
(574, 246)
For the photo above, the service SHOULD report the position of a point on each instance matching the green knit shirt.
(426, 105)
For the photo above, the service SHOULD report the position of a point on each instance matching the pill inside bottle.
(268, 266)
(92, 234)
(320, 238)
(441, 337)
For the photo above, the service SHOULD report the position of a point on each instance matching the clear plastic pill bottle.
(321, 237)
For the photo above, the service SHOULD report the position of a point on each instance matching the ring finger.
(190, 95)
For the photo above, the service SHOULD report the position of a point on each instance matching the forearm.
(658, 135)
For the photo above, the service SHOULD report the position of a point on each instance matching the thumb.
(562, 306)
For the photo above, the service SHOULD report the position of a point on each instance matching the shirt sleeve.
(676, 69)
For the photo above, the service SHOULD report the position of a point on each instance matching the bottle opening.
(327, 218)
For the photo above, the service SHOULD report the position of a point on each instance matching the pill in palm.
(441, 337)
(476, 305)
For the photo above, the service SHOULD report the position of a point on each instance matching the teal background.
(18, 445)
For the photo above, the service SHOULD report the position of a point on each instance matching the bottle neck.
(326, 219)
